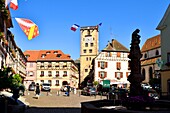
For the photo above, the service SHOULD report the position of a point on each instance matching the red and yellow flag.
(29, 27)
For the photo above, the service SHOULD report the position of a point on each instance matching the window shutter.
(118, 54)
(98, 64)
(105, 64)
(121, 75)
(127, 74)
(105, 74)
(99, 74)
(115, 75)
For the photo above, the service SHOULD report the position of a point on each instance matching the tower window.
(86, 44)
(91, 44)
(90, 50)
(157, 52)
(84, 50)
(86, 58)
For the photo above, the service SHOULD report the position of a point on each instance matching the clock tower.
(89, 46)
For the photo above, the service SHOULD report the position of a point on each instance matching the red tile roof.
(151, 43)
(46, 55)
(149, 61)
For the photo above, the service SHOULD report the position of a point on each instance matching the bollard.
(95, 96)
(47, 93)
(58, 93)
(101, 96)
(79, 93)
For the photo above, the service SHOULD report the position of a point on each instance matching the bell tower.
(89, 46)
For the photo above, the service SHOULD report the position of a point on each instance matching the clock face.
(88, 39)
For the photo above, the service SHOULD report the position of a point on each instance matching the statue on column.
(135, 78)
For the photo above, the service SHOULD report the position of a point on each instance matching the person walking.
(37, 91)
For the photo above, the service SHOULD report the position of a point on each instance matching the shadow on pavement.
(53, 110)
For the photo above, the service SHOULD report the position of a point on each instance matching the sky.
(54, 19)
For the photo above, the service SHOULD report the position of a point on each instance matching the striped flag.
(74, 27)
(29, 27)
(7, 2)
(14, 4)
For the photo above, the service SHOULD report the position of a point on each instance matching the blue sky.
(55, 17)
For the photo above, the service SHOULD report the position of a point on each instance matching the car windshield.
(46, 84)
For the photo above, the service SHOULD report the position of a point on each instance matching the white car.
(46, 87)
(146, 86)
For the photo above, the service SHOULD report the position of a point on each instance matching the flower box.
(64, 75)
(41, 75)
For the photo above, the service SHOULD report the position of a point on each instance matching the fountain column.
(135, 78)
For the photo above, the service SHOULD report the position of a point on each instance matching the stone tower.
(89, 46)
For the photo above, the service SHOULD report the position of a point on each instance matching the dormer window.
(43, 55)
(58, 55)
(55, 52)
(145, 56)
(157, 52)
(48, 52)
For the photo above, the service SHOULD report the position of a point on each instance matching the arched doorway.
(143, 72)
(150, 73)
(64, 83)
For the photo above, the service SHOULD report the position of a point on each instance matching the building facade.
(112, 64)
(88, 50)
(52, 66)
(164, 27)
(151, 58)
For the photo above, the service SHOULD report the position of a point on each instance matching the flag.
(7, 2)
(14, 4)
(100, 24)
(29, 27)
(74, 27)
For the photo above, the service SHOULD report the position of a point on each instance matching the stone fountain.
(138, 101)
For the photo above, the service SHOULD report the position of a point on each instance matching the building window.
(118, 75)
(91, 44)
(86, 58)
(86, 70)
(49, 64)
(31, 73)
(49, 73)
(145, 56)
(118, 54)
(49, 81)
(57, 73)
(102, 64)
(102, 74)
(31, 64)
(118, 65)
(57, 83)
(42, 73)
(90, 58)
(143, 72)
(42, 81)
(84, 50)
(90, 50)
(65, 73)
(157, 52)
(86, 44)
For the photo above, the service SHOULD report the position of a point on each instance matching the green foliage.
(8, 80)
(95, 83)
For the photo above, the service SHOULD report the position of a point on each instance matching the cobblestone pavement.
(57, 103)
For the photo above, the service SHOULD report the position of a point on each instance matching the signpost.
(106, 83)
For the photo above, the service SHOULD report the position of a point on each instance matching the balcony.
(49, 65)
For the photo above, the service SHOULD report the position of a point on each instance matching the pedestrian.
(68, 90)
(37, 91)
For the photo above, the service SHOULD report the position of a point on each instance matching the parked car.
(118, 93)
(146, 86)
(31, 87)
(89, 91)
(153, 93)
(46, 87)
